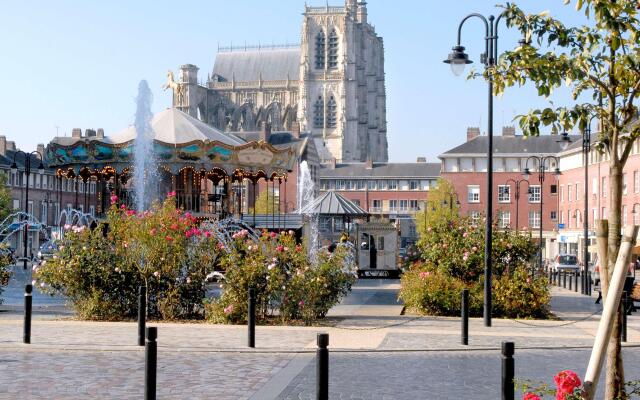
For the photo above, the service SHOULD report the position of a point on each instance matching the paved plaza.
(376, 353)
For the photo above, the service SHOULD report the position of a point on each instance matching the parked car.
(47, 250)
(565, 262)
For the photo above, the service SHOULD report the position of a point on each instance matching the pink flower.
(67, 227)
(171, 194)
(424, 274)
(474, 248)
(169, 238)
(531, 396)
(298, 247)
(280, 248)
(153, 231)
(220, 246)
(130, 213)
(465, 234)
(207, 234)
(123, 207)
(465, 257)
(114, 199)
(301, 303)
(228, 309)
(273, 235)
(188, 280)
(188, 234)
(291, 232)
(156, 274)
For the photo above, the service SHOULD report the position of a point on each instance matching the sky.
(70, 64)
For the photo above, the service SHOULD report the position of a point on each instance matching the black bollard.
(28, 302)
(623, 317)
(251, 319)
(508, 371)
(564, 279)
(150, 363)
(322, 367)
(570, 282)
(464, 310)
(575, 283)
(142, 313)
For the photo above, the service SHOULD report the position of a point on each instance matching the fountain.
(306, 195)
(144, 178)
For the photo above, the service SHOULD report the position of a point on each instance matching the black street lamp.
(542, 168)
(27, 171)
(517, 183)
(458, 59)
(451, 202)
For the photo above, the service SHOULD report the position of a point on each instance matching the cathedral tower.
(342, 91)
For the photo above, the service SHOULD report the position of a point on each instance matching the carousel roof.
(173, 126)
(332, 203)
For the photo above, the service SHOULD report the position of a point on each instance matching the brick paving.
(76, 359)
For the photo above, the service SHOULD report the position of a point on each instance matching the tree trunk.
(615, 369)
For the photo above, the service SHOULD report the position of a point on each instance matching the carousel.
(211, 172)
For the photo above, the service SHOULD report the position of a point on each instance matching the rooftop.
(543, 144)
(252, 65)
(380, 170)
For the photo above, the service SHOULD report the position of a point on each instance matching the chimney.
(509, 131)
(472, 133)
(369, 163)
(89, 133)
(265, 131)
(295, 129)
(421, 160)
(100, 133)
(333, 163)
(3, 145)
(76, 133)
(40, 149)
(362, 12)
(11, 145)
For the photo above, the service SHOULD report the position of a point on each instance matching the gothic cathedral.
(332, 85)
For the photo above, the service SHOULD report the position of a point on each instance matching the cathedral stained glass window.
(333, 50)
(318, 113)
(320, 49)
(331, 113)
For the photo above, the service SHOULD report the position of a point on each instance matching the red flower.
(188, 234)
(566, 382)
(153, 231)
(273, 235)
(280, 248)
(174, 226)
(169, 238)
(171, 194)
(130, 213)
(530, 396)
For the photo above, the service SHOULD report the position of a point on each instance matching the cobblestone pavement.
(372, 357)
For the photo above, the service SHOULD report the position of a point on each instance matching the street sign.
(560, 226)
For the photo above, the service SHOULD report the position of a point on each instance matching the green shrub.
(5, 272)
(517, 295)
(434, 292)
(288, 285)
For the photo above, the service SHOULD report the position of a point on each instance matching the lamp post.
(27, 172)
(517, 183)
(458, 59)
(542, 161)
(451, 197)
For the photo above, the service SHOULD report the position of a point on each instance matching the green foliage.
(5, 197)
(160, 249)
(288, 285)
(450, 257)
(5, 272)
(267, 202)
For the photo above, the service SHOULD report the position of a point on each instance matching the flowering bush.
(5, 273)
(451, 250)
(160, 249)
(568, 387)
(287, 285)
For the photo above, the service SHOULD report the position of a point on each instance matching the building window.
(604, 213)
(371, 185)
(569, 193)
(360, 184)
(376, 205)
(333, 50)
(340, 184)
(504, 193)
(534, 193)
(413, 205)
(43, 212)
(351, 185)
(561, 193)
(414, 185)
(475, 217)
(624, 183)
(594, 186)
(392, 185)
(473, 194)
(382, 185)
(534, 219)
(554, 189)
(603, 186)
(30, 208)
(68, 208)
(504, 219)
(636, 214)
(578, 218)
(636, 182)
(320, 44)
(404, 205)
(554, 215)
(318, 113)
(332, 112)
(577, 191)
(393, 205)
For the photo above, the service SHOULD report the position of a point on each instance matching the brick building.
(465, 166)
(387, 190)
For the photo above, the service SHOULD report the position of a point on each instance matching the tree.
(601, 58)
(5, 197)
(267, 203)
